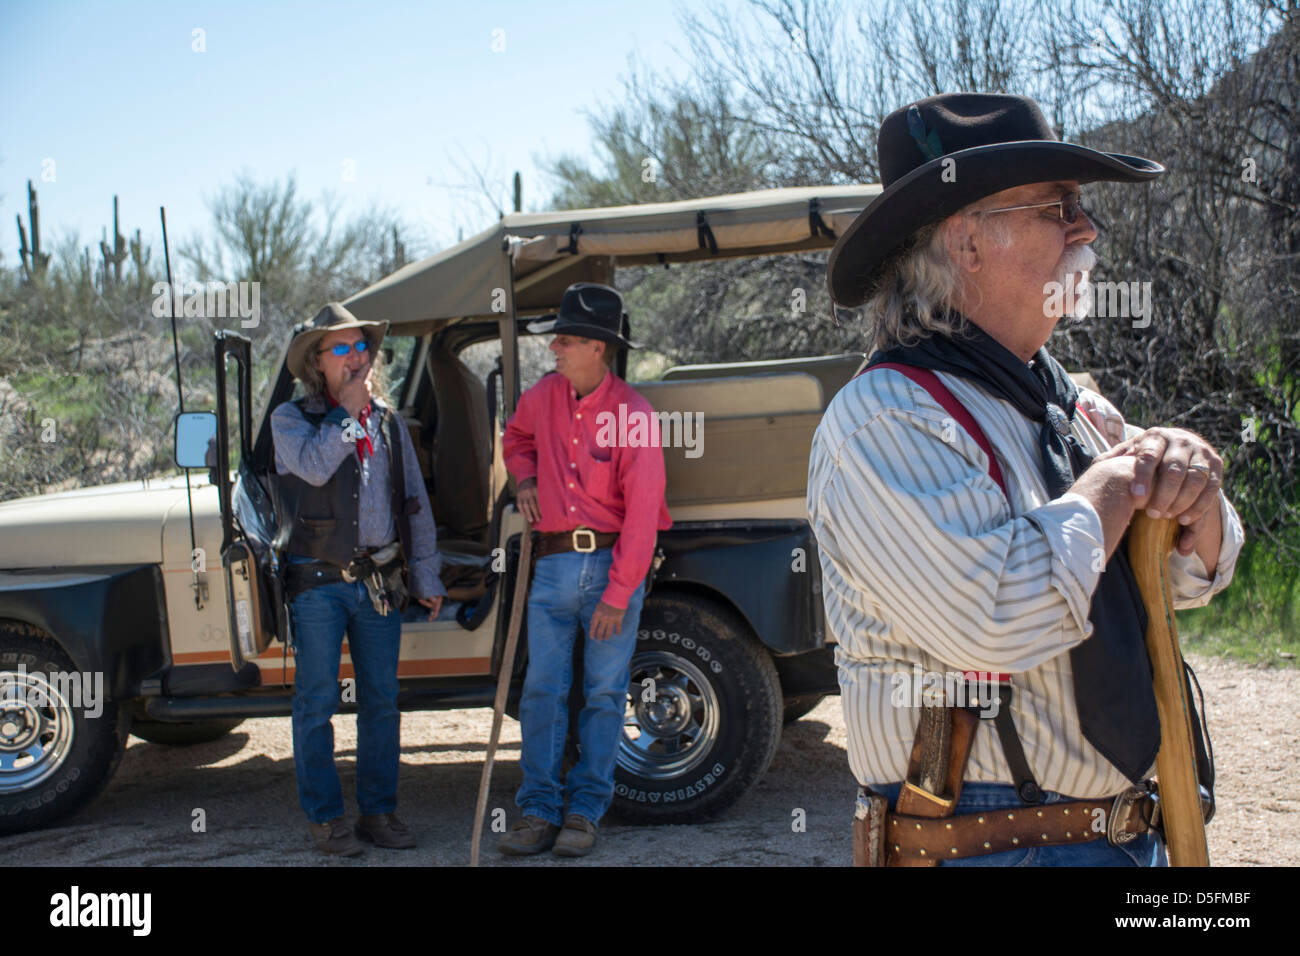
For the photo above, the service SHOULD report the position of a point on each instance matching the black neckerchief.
(1112, 671)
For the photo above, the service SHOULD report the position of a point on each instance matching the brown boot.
(530, 835)
(385, 830)
(577, 838)
(335, 838)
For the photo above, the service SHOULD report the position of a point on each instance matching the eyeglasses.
(1068, 208)
(343, 348)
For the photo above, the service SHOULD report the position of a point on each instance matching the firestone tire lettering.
(674, 638)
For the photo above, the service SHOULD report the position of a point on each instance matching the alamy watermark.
(75, 689)
(74, 908)
(639, 429)
(1114, 300)
(979, 689)
(209, 300)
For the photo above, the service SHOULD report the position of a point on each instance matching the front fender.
(110, 619)
(768, 570)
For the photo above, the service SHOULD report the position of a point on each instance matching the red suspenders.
(939, 392)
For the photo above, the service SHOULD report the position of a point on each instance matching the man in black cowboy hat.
(359, 535)
(596, 498)
(969, 519)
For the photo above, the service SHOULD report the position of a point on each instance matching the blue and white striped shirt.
(926, 564)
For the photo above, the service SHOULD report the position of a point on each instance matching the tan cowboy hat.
(302, 349)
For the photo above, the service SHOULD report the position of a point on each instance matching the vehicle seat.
(462, 452)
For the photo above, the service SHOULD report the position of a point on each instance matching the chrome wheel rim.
(35, 730)
(671, 732)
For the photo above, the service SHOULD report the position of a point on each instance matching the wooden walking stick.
(1150, 542)
(503, 682)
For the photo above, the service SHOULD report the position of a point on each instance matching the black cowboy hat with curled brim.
(588, 310)
(943, 153)
(329, 319)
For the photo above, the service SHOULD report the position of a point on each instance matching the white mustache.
(1077, 259)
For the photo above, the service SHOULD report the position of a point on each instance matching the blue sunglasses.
(343, 348)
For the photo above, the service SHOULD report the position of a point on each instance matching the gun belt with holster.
(380, 569)
(922, 829)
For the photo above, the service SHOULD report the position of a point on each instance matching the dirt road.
(245, 789)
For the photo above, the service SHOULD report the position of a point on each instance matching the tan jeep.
(166, 597)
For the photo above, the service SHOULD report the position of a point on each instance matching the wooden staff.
(1150, 542)
(503, 683)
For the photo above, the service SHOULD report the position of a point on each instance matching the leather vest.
(321, 522)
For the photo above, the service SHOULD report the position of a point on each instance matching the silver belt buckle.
(591, 539)
(1125, 814)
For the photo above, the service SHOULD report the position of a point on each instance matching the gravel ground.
(245, 786)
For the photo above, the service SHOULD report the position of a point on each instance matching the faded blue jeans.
(1147, 850)
(321, 615)
(565, 591)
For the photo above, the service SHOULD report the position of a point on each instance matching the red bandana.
(363, 443)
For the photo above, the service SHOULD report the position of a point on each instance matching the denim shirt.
(314, 455)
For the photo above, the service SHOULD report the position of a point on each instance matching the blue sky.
(115, 95)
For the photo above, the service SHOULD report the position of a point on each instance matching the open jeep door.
(248, 563)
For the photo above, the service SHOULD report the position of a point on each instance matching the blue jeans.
(565, 591)
(1147, 850)
(321, 615)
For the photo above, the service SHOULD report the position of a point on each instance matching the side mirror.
(196, 440)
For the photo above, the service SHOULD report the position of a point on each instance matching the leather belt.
(584, 540)
(912, 841)
(300, 577)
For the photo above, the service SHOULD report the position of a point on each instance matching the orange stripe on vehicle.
(201, 657)
(448, 667)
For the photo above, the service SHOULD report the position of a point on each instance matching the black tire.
(56, 757)
(716, 717)
(183, 734)
(796, 707)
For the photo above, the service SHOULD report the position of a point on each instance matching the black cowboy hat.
(589, 310)
(945, 152)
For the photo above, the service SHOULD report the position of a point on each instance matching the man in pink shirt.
(584, 449)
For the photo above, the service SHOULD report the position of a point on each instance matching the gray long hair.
(919, 286)
(313, 383)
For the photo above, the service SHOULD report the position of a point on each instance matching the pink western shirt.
(591, 458)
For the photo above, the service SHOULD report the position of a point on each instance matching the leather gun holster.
(935, 772)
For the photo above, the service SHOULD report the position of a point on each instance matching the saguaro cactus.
(116, 256)
(140, 257)
(34, 261)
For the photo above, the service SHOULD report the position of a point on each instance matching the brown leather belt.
(584, 540)
(924, 841)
